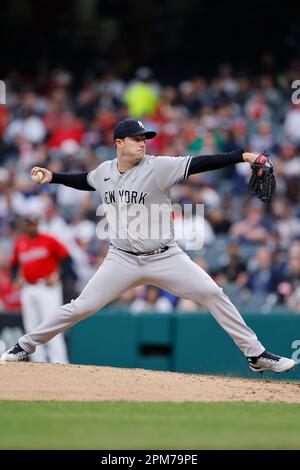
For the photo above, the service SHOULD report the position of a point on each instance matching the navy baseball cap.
(31, 215)
(131, 128)
(31, 219)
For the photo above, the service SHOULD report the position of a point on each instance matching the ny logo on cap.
(141, 124)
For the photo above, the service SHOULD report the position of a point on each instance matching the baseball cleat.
(14, 354)
(268, 361)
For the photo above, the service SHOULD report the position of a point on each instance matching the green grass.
(128, 425)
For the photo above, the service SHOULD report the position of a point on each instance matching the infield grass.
(128, 425)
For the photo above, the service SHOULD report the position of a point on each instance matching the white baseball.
(37, 178)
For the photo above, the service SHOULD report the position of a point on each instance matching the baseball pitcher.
(143, 249)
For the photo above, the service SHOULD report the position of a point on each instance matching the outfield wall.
(179, 342)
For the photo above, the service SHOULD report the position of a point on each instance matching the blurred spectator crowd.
(251, 249)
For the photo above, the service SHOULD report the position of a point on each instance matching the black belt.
(159, 250)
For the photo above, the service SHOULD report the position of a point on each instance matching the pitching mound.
(28, 381)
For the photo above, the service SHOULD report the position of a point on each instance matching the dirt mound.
(28, 381)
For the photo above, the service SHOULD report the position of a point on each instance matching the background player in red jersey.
(37, 261)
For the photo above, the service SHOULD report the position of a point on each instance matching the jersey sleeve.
(94, 177)
(59, 250)
(169, 170)
(15, 256)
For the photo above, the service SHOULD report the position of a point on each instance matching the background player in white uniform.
(38, 259)
(138, 182)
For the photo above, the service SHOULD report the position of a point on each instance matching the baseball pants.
(172, 271)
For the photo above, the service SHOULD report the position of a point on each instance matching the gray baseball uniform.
(144, 188)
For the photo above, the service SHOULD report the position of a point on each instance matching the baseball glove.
(262, 182)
